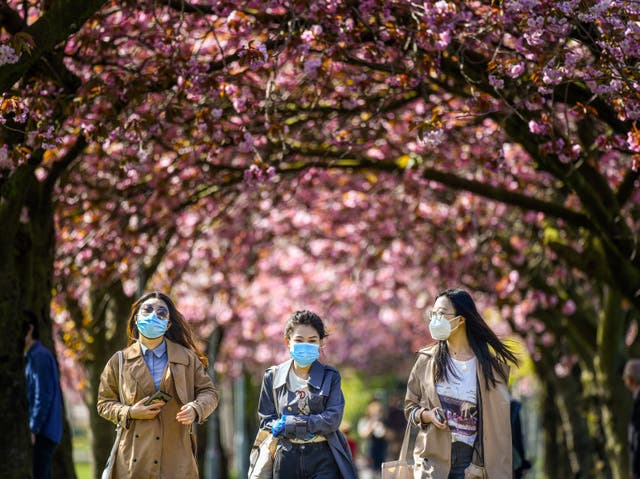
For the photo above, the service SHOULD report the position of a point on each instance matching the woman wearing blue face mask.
(457, 395)
(161, 361)
(301, 402)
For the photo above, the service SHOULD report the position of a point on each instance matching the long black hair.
(480, 338)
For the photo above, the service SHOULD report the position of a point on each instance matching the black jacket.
(634, 438)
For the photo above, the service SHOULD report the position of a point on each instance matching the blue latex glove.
(278, 426)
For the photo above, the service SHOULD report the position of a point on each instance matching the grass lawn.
(84, 470)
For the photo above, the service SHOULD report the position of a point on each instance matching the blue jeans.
(461, 455)
(306, 461)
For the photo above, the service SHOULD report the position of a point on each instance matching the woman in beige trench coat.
(458, 398)
(157, 439)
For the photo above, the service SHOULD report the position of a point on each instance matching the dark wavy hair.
(179, 330)
(480, 338)
(305, 317)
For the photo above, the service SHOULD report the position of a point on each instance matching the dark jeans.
(461, 455)
(306, 461)
(43, 450)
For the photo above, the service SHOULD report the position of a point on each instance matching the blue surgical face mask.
(151, 326)
(304, 353)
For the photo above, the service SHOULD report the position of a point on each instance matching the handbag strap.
(404, 449)
(120, 377)
(120, 380)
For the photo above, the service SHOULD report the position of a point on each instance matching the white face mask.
(440, 327)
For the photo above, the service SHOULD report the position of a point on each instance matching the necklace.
(463, 365)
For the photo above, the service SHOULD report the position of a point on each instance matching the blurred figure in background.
(396, 423)
(631, 377)
(44, 397)
(373, 429)
(520, 462)
(345, 427)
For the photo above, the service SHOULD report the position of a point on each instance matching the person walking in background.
(631, 377)
(162, 361)
(372, 428)
(345, 428)
(396, 423)
(457, 395)
(44, 397)
(520, 462)
(308, 407)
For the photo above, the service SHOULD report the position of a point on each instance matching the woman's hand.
(140, 411)
(428, 416)
(186, 415)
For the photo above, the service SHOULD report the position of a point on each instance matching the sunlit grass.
(82, 449)
(84, 470)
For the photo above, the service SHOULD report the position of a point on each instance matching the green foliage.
(359, 389)
(525, 368)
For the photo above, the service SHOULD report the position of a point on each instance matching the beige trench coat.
(159, 448)
(433, 445)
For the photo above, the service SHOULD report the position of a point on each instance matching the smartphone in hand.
(440, 416)
(161, 395)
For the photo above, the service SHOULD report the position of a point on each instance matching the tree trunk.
(15, 453)
(578, 444)
(569, 449)
(109, 312)
(608, 358)
(26, 278)
(215, 464)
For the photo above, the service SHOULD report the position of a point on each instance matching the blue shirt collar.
(158, 352)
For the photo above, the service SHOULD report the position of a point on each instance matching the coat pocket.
(317, 403)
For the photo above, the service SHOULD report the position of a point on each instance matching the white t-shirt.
(459, 401)
(301, 387)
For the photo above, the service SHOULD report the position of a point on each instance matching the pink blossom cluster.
(8, 55)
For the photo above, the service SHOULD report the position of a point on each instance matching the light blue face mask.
(152, 326)
(304, 354)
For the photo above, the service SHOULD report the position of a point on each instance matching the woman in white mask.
(457, 395)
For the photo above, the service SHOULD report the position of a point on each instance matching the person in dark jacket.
(44, 397)
(631, 376)
(372, 427)
(308, 409)
(520, 462)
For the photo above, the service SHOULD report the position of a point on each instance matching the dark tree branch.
(335, 158)
(64, 18)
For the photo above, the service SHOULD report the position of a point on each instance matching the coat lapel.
(282, 372)
(430, 380)
(316, 377)
(177, 362)
(138, 370)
